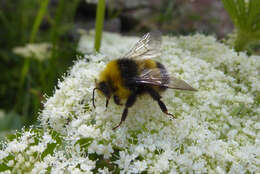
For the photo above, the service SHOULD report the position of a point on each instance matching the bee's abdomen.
(128, 69)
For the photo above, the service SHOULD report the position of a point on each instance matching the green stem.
(99, 23)
(54, 29)
(35, 29)
(25, 69)
(38, 19)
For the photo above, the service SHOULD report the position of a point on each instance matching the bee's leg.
(130, 101)
(156, 96)
(107, 102)
(117, 100)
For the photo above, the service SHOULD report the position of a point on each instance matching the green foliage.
(24, 80)
(246, 18)
(84, 143)
(38, 20)
(9, 121)
(51, 147)
(4, 167)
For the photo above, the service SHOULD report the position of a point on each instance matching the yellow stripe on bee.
(146, 64)
(112, 73)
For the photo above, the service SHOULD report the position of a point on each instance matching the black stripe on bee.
(128, 70)
(164, 75)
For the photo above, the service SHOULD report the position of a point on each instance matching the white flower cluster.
(217, 129)
(39, 51)
(25, 153)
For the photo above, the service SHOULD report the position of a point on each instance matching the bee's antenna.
(93, 97)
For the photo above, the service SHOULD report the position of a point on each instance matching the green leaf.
(49, 150)
(84, 142)
(246, 18)
(10, 121)
(4, 167)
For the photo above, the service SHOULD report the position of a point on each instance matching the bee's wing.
(179, 84)
(157, 78)
(148, 47)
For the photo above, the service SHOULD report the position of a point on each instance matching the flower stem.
(99, 23)
(38, 19)
(35, 29)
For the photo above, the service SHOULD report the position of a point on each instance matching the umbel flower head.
(216, 130)
(39, 51)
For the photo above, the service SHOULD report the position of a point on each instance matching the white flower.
(40, 51)
(138, 167)
(3, 154)
(107, 151)
(15, 146)
(6, 172)
(10, 163)
(87, 165)
(219, 170)
(88, 131)
(216, 129)
(257, 125)
(104, 171)
(39, 167)
(124, 161)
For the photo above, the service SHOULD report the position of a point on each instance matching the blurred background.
(38, 41)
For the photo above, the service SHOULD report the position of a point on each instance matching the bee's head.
(104, 88)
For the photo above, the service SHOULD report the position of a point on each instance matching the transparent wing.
(148, 47)
(159, 77)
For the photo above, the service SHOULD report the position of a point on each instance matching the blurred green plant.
(35, 28)
(99, 23)
(25, 79)
(9, 121)
(245, 15)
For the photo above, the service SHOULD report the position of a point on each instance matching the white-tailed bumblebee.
(136, 74)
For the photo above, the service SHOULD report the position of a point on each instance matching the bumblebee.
(135, 74)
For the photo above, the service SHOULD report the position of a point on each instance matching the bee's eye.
(104, 88)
